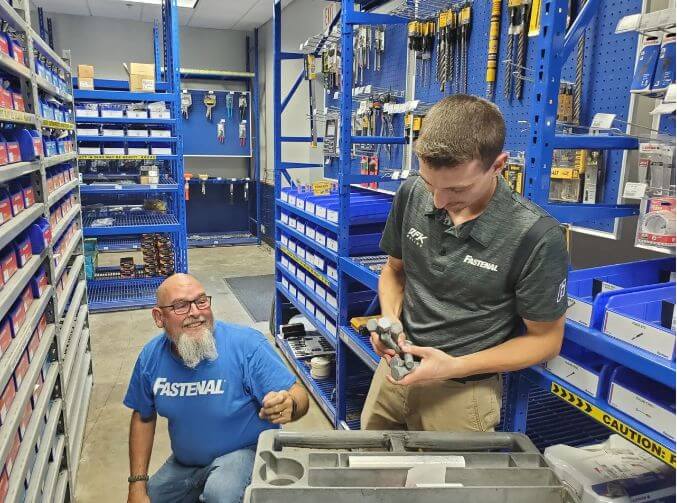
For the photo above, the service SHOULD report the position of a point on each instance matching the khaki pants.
(441, 406)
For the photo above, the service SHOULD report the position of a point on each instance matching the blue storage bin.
(583, 369)
(28, 194)
(645, 400)
(589, 289)
(59, 115)
(47, 110)
(310, 231)
(643, 319)
(284, 193)
(62, 145)
(17, 51)
(365, 242)
(41, 235)
(363, 210)
(87, 110)
(111, 109)
(30, 143)
(41, 67)
(114, 148)
(39, 282)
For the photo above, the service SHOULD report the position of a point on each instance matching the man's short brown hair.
(461, 129)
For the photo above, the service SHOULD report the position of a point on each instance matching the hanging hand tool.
(242, 106)
(243, 133)
(245, 194)
(452, 36)
(186, 187)
(578, 83)
(221, 131)
(229, 105)
(231, 190)
(513, 29)
(203, 179)
(464, 19)
(492, 57)
(428, 47)
(310, 75)
(522, 48)
(535, 19)
(379, 46)
(209, 100)
(415, 42)
(186, 102)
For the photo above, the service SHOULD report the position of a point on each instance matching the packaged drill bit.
(514, 173)
(656, 224)
(566, 177)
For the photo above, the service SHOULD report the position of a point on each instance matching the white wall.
(106, 43)
(300, 20)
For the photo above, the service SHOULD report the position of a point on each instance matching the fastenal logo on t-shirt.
(480, 263)
(207, 387)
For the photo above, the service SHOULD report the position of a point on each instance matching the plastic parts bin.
(39, 282)
(41, 235)
(23, 249)
(16, 194)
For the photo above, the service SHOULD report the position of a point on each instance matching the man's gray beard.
(194, 349)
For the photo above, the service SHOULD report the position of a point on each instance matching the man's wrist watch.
(137, 478)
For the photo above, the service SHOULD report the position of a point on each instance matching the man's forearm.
(515, 354)
(141, 435)
(391, 291)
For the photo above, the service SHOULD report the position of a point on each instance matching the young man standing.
(476, 274)
(219, 385)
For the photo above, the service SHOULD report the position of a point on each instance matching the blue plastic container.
(644, 319)
(5, 206)
(4, 158)
(589, 289)
(28, 193)
(30, 143)
(16, 198)
(40, 234)
(39, 282)
(112, 109)
(50, 147)
(643, 399)
(59, 115)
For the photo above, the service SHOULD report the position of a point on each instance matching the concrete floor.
(117, 339)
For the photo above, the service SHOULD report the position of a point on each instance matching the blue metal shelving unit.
(108, 292)
(534, 400)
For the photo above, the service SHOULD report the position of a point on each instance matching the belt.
(473, 378)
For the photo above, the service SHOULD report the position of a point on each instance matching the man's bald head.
(174, 285)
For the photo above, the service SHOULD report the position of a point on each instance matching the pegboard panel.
(199, 133)
(391, 77)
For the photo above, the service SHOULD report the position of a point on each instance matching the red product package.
(9, 265)
(33, 345)
(25, 419)
(6, 400)
(17, 202)
(24, 251)
(42, 325)
(29, 196)
(18, 315)
(5, 336)
(4, 45)
(21, 370)
(5, 206)
(27, 298)
(6, 98)
(18, 102)
(13, 453)
(18, 53)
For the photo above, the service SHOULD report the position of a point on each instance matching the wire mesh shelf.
(122, 294)
(214, 239)
(143, 220)
(120, 244)
(423, 9)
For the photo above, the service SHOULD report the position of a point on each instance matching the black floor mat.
(255, 293)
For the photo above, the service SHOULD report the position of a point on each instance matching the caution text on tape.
(654, 448)
(116, 157)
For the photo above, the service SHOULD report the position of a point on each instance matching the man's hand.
(138, 493)
(435, 365)
(278, 407)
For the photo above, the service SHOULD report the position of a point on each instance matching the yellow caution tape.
(15, 115)
(654, 448)
(57, 125)
(116, 157)
(303, 264)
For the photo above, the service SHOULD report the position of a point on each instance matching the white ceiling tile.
(73, 7)
(115, 9)
(219, 13)
(150, 13)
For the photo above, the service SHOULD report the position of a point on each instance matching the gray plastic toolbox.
(401, 467)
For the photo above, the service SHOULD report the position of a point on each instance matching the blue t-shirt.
(212, 409)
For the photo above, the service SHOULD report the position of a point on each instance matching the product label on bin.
(9, 266)
(5, 210)
(18, 102)
(17, 202)
(4, 46)
(29, 197)
(6, 99)
(13, 152)
(654, 448)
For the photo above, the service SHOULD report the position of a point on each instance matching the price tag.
(634, 190)
(602, 121)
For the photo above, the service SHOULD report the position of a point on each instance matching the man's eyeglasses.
(183, 306)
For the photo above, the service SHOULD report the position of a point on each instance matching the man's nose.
(194, 311)
(439, 199)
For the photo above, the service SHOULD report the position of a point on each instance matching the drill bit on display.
(127, 268)
(464, 19)
(492, 57)
(515, 62)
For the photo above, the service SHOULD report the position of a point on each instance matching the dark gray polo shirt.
(456, 295)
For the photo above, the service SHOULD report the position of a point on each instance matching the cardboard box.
(149, 180)
(86, 77)
(142, 77)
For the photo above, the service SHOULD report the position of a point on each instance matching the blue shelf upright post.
(172, 71)
(277, 146)
(254, 90)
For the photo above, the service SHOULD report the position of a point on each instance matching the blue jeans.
(223, 481)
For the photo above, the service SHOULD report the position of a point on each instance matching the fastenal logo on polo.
(480, 263)
(207, 387)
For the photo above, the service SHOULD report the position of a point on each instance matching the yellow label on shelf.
(57, 124)
(654, 448)
(15, 115)
(116, 157)
(565, 173)
(321, 188)
(303, 264)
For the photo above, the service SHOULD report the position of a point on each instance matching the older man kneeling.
(219, 385)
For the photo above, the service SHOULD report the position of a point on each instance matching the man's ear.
(157, 317)
(499, 163)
